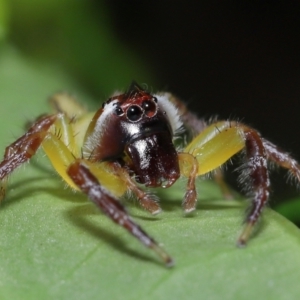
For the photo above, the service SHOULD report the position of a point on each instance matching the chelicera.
(129, 142)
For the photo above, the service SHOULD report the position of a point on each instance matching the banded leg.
(23, 149)
(89, 185)
(256, 170)
(259, 150)
(282, 159)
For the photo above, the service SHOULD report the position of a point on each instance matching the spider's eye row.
(134, 113)
(119, 111)
(149, 108)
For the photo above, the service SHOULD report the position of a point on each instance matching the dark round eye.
(119, 111)
(154, 99)
(134, 113)
(149, 108)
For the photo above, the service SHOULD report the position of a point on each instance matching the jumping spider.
(130, 141)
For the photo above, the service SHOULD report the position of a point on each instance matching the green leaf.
(54, 244)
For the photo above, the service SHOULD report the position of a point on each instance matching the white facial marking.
(166, 105)
(96, 135)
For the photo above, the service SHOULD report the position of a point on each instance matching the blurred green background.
(74, 36)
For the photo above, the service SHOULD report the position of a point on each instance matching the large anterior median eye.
(134, 113)
(149, 108)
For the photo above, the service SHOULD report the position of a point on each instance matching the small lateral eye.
(119, 111)
(134, 113)
(149, 108)
(154, 99)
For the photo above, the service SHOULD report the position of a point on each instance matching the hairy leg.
(255, 174)
(89, 185)
(282, 159)
(23, 149)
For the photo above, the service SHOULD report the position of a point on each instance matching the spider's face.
(138, 113)
(141, 126)
(135, 115)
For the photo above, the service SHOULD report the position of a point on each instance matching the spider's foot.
(150, 205)
(156, 212)
(245, 235)
(189, 210)
(168, 260)
(190, 199)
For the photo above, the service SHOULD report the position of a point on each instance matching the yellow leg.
(108, 177)
(63, 130)
(216, 144)
(61, 157)
(65, 103)
(74, 117)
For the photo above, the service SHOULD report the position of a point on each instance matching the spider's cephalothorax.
(130, 140)
(141, 127)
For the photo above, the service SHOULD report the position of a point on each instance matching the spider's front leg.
(23, 149)
(217, 143)
(89, 184)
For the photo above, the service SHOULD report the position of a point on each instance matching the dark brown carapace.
(130, 141)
